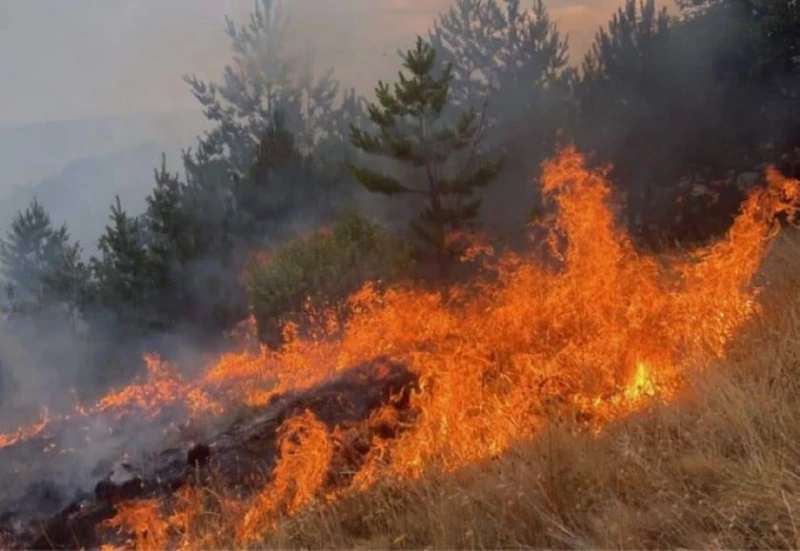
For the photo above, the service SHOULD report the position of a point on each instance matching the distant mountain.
(76, 167)
(82, 192)
(32, 152)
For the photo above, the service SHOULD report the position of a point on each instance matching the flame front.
(586, 335)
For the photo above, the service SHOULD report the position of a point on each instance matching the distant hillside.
(81, 193)
(32, 152)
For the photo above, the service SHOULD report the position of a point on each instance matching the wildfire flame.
(641, 384)
(586, 336)
(24, 433)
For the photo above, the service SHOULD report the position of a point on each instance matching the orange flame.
(585, 336)
(306, 453)
(24, 433)
(641, 384)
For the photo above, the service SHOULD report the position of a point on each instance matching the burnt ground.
(47, 516)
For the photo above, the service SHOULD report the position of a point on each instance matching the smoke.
(51, 371)
(40, 363)
(116, 57)
(47, 363)
(358, 38)
(44, 361)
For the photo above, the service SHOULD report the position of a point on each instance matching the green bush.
(326, 268)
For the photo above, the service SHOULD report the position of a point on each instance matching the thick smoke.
(49, 372)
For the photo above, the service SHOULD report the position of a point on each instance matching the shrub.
(324, 268)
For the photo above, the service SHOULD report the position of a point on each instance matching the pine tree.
(269, 103)
(265, 79)
(123, 271)
(412, 130)
(219, 226)
(70, 285)
(352, 110)
(169, 236)
(170, 244)
(625, 99)
(209, 201)
(281, 182)
(753, 51)
(513, 57)
(40, 266)
(672, 102)
(509, 56)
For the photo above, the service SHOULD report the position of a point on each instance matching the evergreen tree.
(280, 181)
(509, 56)
(40, 266)
(263, 80)
(753, 51)
(219, 226)
(123, 270)
(352, 110)
(629, 115)
(167, 222)
(71, 285)
(412, 130)
(170, 244)
(513, 57)
(282, 184)
(677, 105)
(208, 198)
(254, 171)
(28, 254)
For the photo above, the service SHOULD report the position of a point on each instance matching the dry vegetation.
(718, 468)
(622, 400)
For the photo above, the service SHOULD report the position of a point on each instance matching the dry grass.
(713, 468)
(719, 468)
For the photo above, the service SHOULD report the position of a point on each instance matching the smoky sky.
(72, 58)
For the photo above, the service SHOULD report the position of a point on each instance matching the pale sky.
(71, 58)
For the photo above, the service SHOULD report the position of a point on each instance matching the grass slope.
(719, 468)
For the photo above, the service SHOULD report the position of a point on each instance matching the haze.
(92, 90)
(80, 58)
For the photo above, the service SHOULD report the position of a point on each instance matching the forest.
(535, 246)
(303, 191)
(686, 109)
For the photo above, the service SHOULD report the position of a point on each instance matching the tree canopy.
(447, 159)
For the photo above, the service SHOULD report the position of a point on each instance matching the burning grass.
(543, 414)
(716, 468)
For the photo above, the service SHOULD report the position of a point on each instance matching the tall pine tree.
(123, 271)
(264, 79)
(626, 96)
(446, 158)
(502, 52)
(41, 267)
(684, 105)
(510, 56)
(170, 245)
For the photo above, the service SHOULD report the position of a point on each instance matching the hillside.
(649, 405)
(81, 193)
(716, 468)
(517, 297)
(32, 152)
